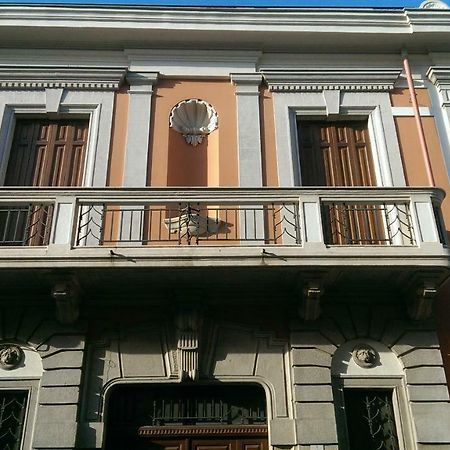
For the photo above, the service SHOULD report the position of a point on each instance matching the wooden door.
(43, 153)
(338, 154)
(206, 443)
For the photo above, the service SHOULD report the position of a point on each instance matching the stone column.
(138, 134)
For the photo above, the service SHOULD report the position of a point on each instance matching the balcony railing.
(208, 217)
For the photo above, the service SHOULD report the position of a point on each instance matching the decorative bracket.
(188, 323)
(421, 304)
(66, 297)
(309, 308)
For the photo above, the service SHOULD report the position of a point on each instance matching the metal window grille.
(370, 419)
(13, 406)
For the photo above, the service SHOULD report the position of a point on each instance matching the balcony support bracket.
(421, 302)
(66, 296)
(309, 308)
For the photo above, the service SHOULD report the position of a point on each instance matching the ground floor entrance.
(186, 417)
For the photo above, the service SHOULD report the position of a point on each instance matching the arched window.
(370, 398)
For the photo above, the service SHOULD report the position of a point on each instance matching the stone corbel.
(309, 308)
(421, 303)
(188, 322)
(66, 296)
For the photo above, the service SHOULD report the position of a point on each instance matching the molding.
(439, 76)
(333, 79)
(41, 77)
(193, 63)
(247, 83)
(199, 430)
(141, 81)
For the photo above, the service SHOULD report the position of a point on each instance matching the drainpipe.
(423, 142)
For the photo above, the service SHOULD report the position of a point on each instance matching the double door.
(205, 443)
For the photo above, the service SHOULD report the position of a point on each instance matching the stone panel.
(142, 354)
(61, 377)
(312, 375)
(59, 395)
(235, 352)
(422, 357)
(64, 359)
(311, 339)
(310, 357)
(426, 375)
(316, 423)
(434, 392)
(432, 422)
(413, 339)
(311, 393)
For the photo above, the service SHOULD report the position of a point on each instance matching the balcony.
(194, 227)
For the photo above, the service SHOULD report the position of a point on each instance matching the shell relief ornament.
(194, 119)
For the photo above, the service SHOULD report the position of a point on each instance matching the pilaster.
(138, 133)
(249, 128)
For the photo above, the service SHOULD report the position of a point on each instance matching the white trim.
(372, 105)
(345, 79)
(97, 105)
(406, 111)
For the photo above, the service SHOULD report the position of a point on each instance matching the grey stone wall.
(415, 345)
(61, 348)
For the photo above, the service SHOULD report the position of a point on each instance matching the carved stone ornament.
(188, 323)
(10, 356)
(194, 119)
(434, 4)
(365, 356)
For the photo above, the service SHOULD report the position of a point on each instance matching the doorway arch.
(186, 417)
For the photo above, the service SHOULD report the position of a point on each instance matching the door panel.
(338, 154)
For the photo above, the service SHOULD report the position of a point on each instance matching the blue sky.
(291, 3)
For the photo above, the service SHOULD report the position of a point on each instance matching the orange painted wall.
(173, 162)
(118, 139)
(415, 176)
(400, 97)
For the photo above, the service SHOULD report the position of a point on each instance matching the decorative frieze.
(331, 79)
(43, 77)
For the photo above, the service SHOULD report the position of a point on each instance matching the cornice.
(439, 76)
(332, 79)
(150, 17)
(41, 77)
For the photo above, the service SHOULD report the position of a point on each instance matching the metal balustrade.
(25, 225)
(164, 217)
(186, 224)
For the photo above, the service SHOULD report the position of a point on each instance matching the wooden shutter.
(335, 154)
(43, 153)
(47, 153)
(338, 154)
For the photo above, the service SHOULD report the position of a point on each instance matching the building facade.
(224, 228)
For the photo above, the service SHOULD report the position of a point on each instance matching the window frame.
(95, 105)
(399, 402)
(32, 387)
(289, 107)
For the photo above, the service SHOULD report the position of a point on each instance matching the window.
(13, 407)
(338, 154)
(370, 419)
(43, 153)
(47, 153)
